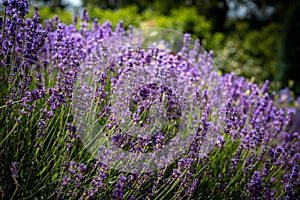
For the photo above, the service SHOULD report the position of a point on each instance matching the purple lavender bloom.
(193, 187)
(85, 15)
(14, 170)
(176, 174)
(285, 96)
(265, 87)
(255, 186)
(118, 192)
(65, 181)
(82, 168)
(298, 101)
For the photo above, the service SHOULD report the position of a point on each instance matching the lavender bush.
(49, 72)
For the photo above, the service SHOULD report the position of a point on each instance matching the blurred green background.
(257, 39)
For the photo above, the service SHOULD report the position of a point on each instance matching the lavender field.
(88, 111)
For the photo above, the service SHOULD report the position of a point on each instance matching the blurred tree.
(289, 64)
(116, 4)
(53, 4)
(259, 13)
(215, 10)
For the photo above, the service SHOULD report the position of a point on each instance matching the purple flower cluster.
(14, 170)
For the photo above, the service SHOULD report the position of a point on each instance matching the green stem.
(17, 187)
(12, 130)
(167, 191)
(15, 102)
(3, 28)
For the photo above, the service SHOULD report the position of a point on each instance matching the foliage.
(187, 21)
(52, 4)
(48, 13)
(128, 15)
(257, 13)
(251, 54)
(288, 66)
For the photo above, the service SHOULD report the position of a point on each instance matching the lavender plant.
(60, 81)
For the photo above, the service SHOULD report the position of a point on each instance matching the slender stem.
(3, 28)
(17, 187)
(7, 136)
(15, 102)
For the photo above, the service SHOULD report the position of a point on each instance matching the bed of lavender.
(255, 154)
